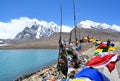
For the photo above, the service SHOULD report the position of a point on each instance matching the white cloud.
(12, 28)
(66, 28)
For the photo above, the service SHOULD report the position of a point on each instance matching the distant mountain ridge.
(11, 29)
(37, 31)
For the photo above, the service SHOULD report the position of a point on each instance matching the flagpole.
(60, 20)
(60, 43)
(75, 22)
(70, 37)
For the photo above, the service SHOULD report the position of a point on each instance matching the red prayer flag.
(108, 60)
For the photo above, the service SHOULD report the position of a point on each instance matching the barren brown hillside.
(99, 34)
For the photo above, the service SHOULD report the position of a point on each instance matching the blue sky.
(103, 11)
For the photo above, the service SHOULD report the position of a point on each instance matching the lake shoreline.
(38, 74)
(27, 47)
(26, 76)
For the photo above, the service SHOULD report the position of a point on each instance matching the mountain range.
(38, 31)
(102, 26)
(27, 28)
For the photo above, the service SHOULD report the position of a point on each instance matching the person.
(108, 43)
(88, 38)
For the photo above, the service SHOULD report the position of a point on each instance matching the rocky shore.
(35, 76)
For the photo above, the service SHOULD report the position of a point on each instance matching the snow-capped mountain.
(9, 30)
(101, 26)
(25, 27)
(43, 29)
(38, 30)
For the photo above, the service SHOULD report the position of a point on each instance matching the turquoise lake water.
(15, 63)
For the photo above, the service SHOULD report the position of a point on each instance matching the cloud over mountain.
(12, 28)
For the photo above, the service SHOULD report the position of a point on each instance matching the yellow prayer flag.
(78, 80)
(112, 48)
(99, 50)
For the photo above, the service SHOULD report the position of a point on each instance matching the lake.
(15, 63)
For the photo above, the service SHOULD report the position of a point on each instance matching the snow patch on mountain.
(91, 24)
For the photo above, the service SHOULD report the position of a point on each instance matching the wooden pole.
(75, 22)
(60, 43)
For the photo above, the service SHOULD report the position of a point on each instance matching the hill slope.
(99, 34)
